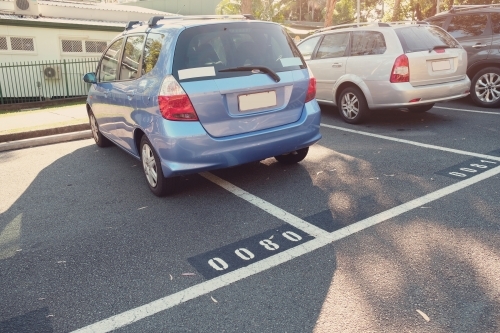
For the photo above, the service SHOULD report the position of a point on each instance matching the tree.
(246, 6)
(228, 7)
(330, 8)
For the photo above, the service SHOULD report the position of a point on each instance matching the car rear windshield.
(424, 38)
(202, 51)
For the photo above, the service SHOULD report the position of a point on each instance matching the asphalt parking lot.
(388, 226)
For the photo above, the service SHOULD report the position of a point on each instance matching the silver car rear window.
(215, 47)
(424, 37)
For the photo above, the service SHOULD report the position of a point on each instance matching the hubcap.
(149, 165)
(350, 106)
(94, 128)
(488, 88)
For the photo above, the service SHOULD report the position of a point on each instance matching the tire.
(485, 88)
(99, 139)
(352, 105)
(421, 108)
(293, 157)
(151, 166)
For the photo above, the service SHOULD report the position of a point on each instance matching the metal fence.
(43, 80)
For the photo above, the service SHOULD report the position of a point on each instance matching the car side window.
(495, 21)
(152, 48)
(109, 63)
(131, 58)
(333, 46)
(367, 43)
(307, 47)
(467, 25)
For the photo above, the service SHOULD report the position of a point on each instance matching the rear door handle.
(478, 46)
(337, 64)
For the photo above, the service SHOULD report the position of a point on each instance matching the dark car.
(477, 29)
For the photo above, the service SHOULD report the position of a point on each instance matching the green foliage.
(154, 47)
(228, 7)
(345, 10)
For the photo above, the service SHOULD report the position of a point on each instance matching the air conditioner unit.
(26, 7)
(51, 72)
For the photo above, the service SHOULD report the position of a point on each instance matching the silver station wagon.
(365, 67)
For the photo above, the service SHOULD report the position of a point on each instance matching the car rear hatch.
(241, 76)
(434, 56)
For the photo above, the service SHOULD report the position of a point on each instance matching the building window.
(22, 44)
(94, 46)
(72, 46)
(3, 43)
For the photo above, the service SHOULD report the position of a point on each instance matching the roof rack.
(408, 22)
(348, 25)
(130, 24)
(458, 8)
(368, 24)
(154, 20)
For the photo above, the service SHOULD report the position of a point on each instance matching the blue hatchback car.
(190, 94)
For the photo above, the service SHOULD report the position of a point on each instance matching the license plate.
(257, 101)
(440, 65)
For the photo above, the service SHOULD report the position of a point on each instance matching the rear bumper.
(393, 95)
(185, 147)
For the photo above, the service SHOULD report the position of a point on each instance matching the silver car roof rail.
(368, 24)
(408, 22)
(153, 21)
(348, 25)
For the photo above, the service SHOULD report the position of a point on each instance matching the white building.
(33, 30)
(53, 32)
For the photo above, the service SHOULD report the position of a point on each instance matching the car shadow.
(87, 237)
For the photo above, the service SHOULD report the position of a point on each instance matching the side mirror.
(90, 78)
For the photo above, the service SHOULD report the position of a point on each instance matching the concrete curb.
(45, 140)
(44, 132)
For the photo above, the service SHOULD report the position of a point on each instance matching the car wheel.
(293, 157)
(151, 164)
(421, 108)
(352, 105)
(485, 87)
(99, 139)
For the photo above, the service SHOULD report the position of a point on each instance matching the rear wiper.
(438, 47)
(251, 69)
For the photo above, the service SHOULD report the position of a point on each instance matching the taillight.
(401, 70)
(174, 103)
(311, 88)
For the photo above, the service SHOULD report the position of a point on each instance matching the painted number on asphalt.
(248, 251)
(468, 168)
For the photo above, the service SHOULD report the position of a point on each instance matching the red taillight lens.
(311, 89)
(174, 103)
(401, 70)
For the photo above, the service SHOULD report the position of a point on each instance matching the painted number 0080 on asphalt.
(245, 254)
(248, 251)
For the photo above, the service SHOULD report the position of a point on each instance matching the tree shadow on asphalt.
(444, 265)
(87, 240)
(93, 239)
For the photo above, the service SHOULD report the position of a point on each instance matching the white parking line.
(465, 110)
(414, 143)
(204, 288)
(322, 238)
(266, 206)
